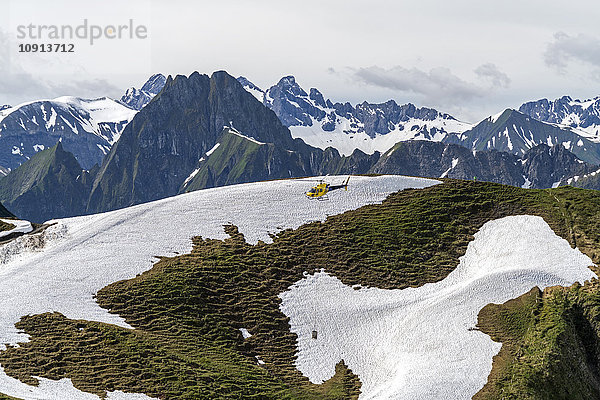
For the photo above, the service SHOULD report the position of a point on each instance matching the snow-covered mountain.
(514, 132)
(580, 116)
(86, 127)
(138, 98)
(378, 127)
(366, 126)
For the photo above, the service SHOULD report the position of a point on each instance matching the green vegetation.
(187, 310)
(235, 158)
(49, 185)
(238, 160)
(551, 346)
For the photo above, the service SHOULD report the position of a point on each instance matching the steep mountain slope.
(50, 185)
(582, 117)
(4, 213)
(163, 144)
(86, 127)
(589, 180)
(213, 324)
(138, 98)
(237, 158)
(515, 132)
(367, 127)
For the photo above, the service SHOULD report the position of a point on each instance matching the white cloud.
(438, 86)
(491, 73)
(566, 49)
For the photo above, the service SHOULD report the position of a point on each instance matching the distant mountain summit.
(514, 132)
(368, 127)
(138, 98)
(583, 117)
(86, 127)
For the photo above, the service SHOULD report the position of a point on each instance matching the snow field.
(416, 343)
(83, 254)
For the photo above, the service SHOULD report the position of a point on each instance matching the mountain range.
(366, 126)
(206, 131)
(86, 127)
(515, 132)
(581, 116)
(378, 127)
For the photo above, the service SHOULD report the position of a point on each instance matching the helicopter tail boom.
(344, 185)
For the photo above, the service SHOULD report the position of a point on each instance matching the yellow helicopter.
(320, 191)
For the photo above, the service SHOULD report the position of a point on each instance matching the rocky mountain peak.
(154, 84)
(138, 98)
(580, 116)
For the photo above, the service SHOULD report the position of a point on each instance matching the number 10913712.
(46, 48)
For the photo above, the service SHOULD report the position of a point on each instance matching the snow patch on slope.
(20, 227)
(417, 343)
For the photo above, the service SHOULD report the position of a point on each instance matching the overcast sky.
(470, 58)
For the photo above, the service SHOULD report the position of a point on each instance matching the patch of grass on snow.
(5, 226)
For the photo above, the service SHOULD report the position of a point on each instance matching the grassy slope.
(187, 310)
(27, 176)
(234, 157)
(551, 347)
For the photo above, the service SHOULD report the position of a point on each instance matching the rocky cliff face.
(540, 167)
(163, 144)
(548, 167)
(439, 160)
